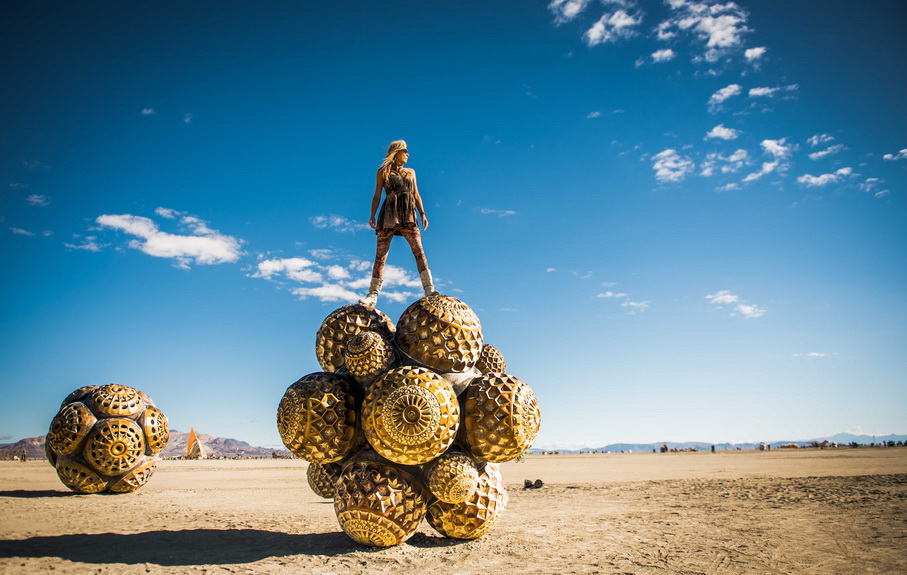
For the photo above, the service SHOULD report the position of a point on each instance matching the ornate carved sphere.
(410, 415)
(368, 355)
(501, 417)
(476, 515)
(378, 505)
(340, 326)
(322, 478)
(104, 438)
(491, 360)
(453, 477)
(317, 417)
(440, 332)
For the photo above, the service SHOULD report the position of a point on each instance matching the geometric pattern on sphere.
(501, 417)
(114, 445)
(440, 332)
(69, 428)
(491, 360)
(322, 478)
(342, 325)
(116, 401)
(453, 477)
(478, 514)
(411, 415)
(317, 417)
(157, 430)
(368, 355)
(378, 505)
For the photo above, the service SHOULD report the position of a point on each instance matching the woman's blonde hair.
(392, 150)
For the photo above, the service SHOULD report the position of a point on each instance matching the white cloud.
(338, 223)
(635, 307)
(322, 254)
(566, 10)
(894, 157)
(777, 148)
(819, 139)
(336, 272)
(719, 26)
(749, 311)
(204, 246)
(726, 164)
(549, 270)
(725, 297)
(38, 200)
(21, 232)
(267, 269)
(595, 114)
(754, 54)
(187, 118)
(665, 55)
(813, 354)
(766, 92)
(721, 133)
(670, 166)
(767, 168)
(823, 180)
(611, 27)
(88, 243)
(827, 152)
(870, 186)
(328, 293)
(722, 297)
(723, 94)
(610, 293)
(147, 111)
(499, 213)
(168, 213)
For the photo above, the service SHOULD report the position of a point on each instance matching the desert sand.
(799, 511)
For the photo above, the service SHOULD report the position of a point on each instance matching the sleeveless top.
(399, 208)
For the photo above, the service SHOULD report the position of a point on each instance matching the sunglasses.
(405, 150)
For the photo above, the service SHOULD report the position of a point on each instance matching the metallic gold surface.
(317, 417)
(368, 355)
(453, 477)
(501, 417)
(134, 479)
(156, 429)
(79, 477)
(410, 415)
(114, 445)
(440, 332)
(79, 394)
(491, 360)
(322, 478)
(378, 505)
(340, 326)
(69, 428)
(477, 514)
(116, 401)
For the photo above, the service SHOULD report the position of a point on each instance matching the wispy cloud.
(498, 213)
(610, 293)
(635, 307)
(739, 308)
(819, 139)
(566, 10)
(767, 168)
(670, 166)
(895, 157)
(38, 200)
(871, 185)
(665, 55)
(719, 27)
(719, 132)
(814, 354)
(754, 54)
(338, 223)
(148, 111)
(777, 148)
(823, 180)
(595, 114)
(87, 243)
(827, 152)
(771, 92)
(202, 245)
(187, 118)
(723, 94)
(725, 164)
(613, 26)
(21, 232)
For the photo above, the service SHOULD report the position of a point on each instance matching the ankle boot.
(372, 297)
(427, 284)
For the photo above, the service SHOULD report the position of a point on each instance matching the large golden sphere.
(340, 326)
(378, 505)
(477, 514)
(317, 417)
(453, 477)
(501, 417)
(105, 438)
(410, 415)
(491, 360)
(368, 355)
(440, 332)
(322, 478)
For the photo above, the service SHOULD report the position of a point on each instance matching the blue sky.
(677, 220)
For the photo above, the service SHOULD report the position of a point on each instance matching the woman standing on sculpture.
(397, 218)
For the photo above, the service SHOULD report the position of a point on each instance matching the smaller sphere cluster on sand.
(408, 422)
(106, 438)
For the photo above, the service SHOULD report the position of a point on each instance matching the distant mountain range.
(227, 447)
(176, 446)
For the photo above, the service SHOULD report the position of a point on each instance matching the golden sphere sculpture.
(491, 360)
(453, 477)
(106, 438)
(411, 448)
(476, 515)
(440, 332)
(411, 415)
(317, 417)
(342, 325)
(379, 505)
(368, 355)
(501, 417)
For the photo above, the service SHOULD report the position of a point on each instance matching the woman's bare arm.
(376, 199)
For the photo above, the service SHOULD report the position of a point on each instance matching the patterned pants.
(413, 237)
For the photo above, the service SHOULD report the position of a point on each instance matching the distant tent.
(195, 449)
